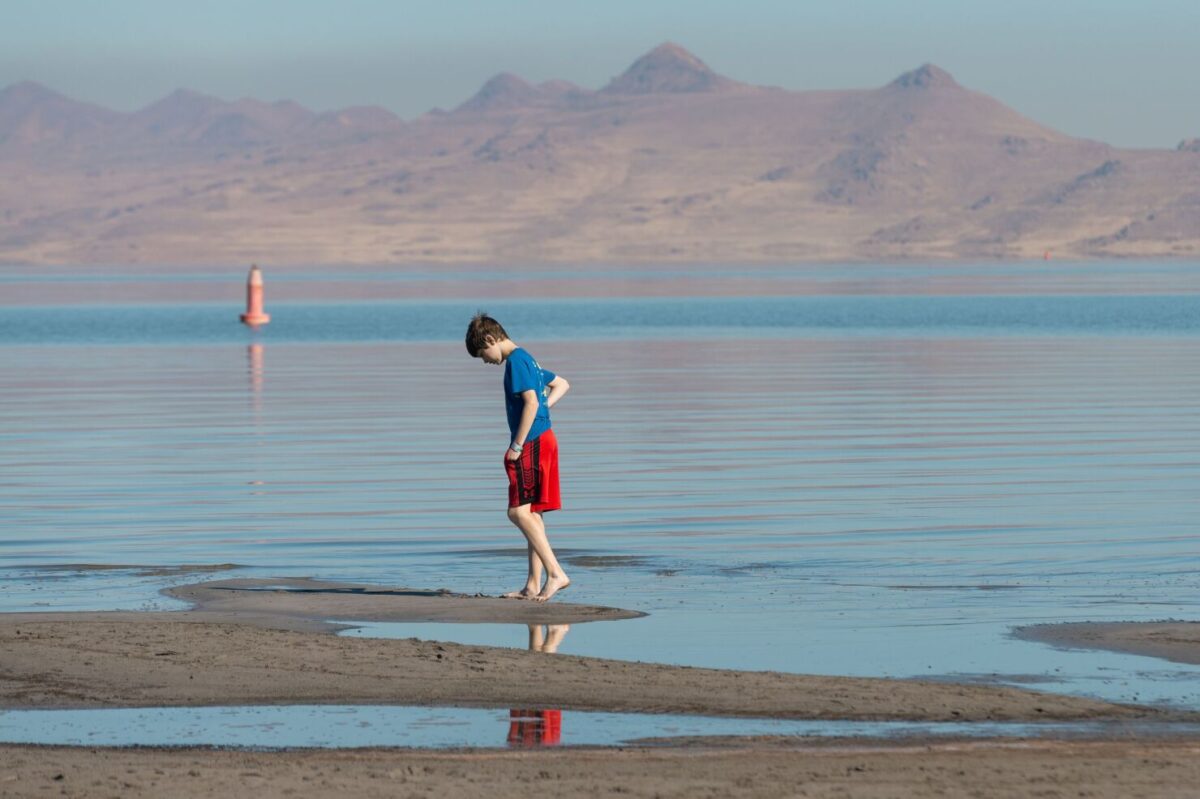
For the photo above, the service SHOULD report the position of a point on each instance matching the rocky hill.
(667, 162)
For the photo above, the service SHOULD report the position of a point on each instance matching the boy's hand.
(510, 455)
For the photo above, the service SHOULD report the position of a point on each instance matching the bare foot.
(530, 591)
(552, 587)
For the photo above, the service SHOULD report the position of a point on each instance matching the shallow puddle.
(348, 726)
(931, 652)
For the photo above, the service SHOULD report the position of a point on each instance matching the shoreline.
(489, 263)
(315, 603)
(1176, 641)
(161, 659)
(270, 642)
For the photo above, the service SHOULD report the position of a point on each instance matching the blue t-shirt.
(522, 373)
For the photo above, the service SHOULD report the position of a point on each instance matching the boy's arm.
(558, 387)
(527, 416)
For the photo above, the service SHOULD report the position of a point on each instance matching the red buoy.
(254, 315)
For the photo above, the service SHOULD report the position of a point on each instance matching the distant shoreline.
(1177, 641)
(849, 260)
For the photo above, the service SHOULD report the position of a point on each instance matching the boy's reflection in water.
(530, 728)
(546, 637)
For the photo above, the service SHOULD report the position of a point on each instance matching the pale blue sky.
(1123, 72)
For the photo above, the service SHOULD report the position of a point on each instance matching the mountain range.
(669, 161)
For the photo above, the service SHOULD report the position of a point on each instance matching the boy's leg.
(530, 524)
(554, 635)
(536, 639)
(533, 580)
(535, 567)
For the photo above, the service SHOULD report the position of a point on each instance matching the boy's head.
(484, 335)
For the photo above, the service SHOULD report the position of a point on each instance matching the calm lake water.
(871, 470)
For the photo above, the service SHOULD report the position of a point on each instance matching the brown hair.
(480, 328)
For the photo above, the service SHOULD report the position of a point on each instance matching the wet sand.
(268, 642)
(1178, 641)
(60, 660)
(248, 642)
(307, 601)
(1102, 770)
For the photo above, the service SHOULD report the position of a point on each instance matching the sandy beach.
(269, 642)
(1104, 770)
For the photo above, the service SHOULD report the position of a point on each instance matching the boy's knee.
(519, 512)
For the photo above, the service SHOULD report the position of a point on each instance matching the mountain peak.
(30, 113)
(186, 95)
(27, 91)
(668, 68)
(180, 110)
(926, 76)
(672, 52)
(505, 90)
(27, 97)
(181, 99)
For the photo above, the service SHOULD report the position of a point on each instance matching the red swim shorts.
(533, 476)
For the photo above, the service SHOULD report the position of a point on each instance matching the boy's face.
(491, 353)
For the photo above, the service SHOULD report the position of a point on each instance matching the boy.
(532, 458)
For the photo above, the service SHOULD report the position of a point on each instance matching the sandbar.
(270, 642)
(308, 600)
(1177, 641)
